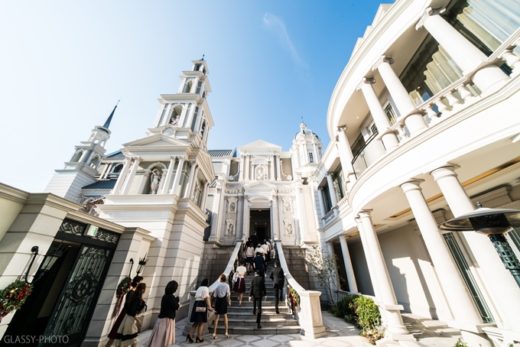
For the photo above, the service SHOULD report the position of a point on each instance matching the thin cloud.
(277, 26)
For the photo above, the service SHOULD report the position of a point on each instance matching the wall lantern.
(492, 222)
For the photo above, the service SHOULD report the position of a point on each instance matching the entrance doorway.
(260, 227)
(65, 287)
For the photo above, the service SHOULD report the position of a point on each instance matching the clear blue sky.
(64, 64)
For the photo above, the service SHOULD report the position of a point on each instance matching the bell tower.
(82, 168)
(186, 115)
(306, 151)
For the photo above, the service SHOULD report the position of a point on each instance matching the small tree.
(324, 269)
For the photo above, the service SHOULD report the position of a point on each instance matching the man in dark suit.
(259, 264)
(257, 293)
(278, 278)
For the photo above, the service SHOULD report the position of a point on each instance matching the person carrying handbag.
(199, 313)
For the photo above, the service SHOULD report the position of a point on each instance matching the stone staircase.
(243, 322)
(295, 257)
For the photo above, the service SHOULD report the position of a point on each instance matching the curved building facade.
(423, 124)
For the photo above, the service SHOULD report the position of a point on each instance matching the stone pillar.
(246, 168)
(275, 223)
(278, 168)
(412, 118)
(131, 175)
(192, 177)
(387, 300)
(178, 174)
(346, 157)
(498, 281)
(167, 180)
(271, 168)
(332, 192)
(378, 114)
(215, 213)
(456, 293)
(245, 225)
(468, 57)
(349, 269)
(122, 176)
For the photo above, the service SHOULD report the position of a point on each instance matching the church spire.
(109, 119)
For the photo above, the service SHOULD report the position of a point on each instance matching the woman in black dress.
(163, 333)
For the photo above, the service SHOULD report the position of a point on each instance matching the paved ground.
(339, 334)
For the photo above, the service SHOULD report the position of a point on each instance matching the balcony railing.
(447, 102)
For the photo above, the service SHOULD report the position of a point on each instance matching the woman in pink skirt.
(163, 333)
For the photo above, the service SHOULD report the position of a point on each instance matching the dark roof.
(219, 153)
(105, 184)
(115, 155)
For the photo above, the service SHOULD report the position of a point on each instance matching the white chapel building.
(423, 123)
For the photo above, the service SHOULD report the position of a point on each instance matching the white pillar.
(278, 168)
(246, 168)
(456, 293)
(215, 213)
(242, 175)
(167, 180)
(275, 222)
(388, 301)
(413, 120)
(332, 192)
(131, 175)
(122, 176)
(346, 157)
(378, 114)
(191, 180)
(463, 52)
(497, 280)
(245, 224)
(349, 269)
(271, 168)
(176, 180)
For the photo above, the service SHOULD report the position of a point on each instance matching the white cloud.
(277, 26)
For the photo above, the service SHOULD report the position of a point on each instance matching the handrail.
(283, 263)
(309, 317)
(230, 265)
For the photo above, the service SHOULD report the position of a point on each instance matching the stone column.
(368, 258)
(271, 168)
(378, 114)
(412, 118)
(246, 168)
(349, 269)
(498, 281)
(245, 225)
(176, 180)
(122, 176)
(191, 180)
(456, 293)
(463, 52)
(332, 192)
(278, 168)
(388, 302)
(130, 177)
(167, 180)
(275, 224)
(346, 157)
(215, 213)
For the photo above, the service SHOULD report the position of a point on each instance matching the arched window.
(176, 115)
(76, 157)
(187, 87)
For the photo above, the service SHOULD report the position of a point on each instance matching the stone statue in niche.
(155, 180)
(288, 228)
(230, 228)
(261, 173)
(232, 207)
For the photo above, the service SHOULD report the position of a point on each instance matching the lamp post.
(492, 222)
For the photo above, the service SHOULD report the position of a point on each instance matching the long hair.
(204, 283)
(139, 291)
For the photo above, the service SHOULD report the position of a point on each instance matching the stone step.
(241, 330)
(267, 315)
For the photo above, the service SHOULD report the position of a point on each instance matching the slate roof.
(115, 155)
(104, 184)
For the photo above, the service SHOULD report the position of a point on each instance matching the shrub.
(460, 343)
(368, 318)
(344, 308)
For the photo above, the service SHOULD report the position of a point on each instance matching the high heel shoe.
(189, 338)
(199, 340)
